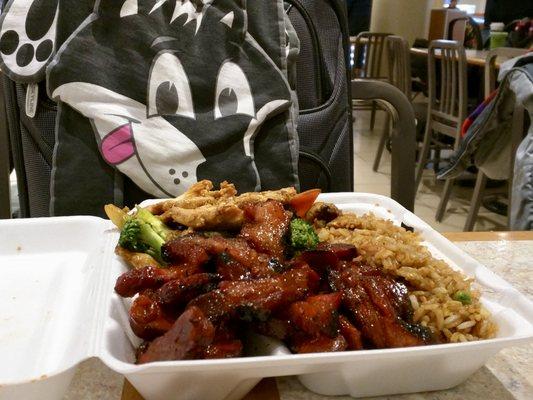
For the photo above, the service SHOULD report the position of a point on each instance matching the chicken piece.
(179, 292)
(317, 315)
(201, 208)
(372, 302)
(257, 299)
(199, 194)
(234, 259)
(319, 344)
(188, 339)
(223, 216)
(351, 334)
(147, 318)
(284, 196)
(266, 225)
(321, 213)
(136, 260)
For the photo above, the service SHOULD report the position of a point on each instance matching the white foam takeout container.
(58, 307)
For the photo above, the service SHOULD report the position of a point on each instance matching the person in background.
(453, 4)
(359, 13)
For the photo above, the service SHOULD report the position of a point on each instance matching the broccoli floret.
(463, 297)
(303, 236)
(144, 233)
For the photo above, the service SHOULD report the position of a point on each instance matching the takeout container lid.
(58, 308)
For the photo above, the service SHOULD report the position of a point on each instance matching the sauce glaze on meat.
(217, 287)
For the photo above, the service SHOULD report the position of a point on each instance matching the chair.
(399, 66)
(490, 85)
(403, 135)
(446, 109)
(369, 50)
(475, 32)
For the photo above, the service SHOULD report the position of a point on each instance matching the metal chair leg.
(373, 116)
(384, 137)
(436, 163)
(422, 160)
(477, 197)
(445, 196)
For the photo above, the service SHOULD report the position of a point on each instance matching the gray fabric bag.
(488, 144)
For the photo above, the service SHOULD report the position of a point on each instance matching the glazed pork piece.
(147, 318)
(257, 299)
(379, 306)
(266, 225)
(315, 323)
(192, 335)
(188, 339)
(232, 258)
(252, 254)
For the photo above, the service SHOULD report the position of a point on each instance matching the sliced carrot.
(302, 202)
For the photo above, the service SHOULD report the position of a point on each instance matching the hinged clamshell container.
(58, 308)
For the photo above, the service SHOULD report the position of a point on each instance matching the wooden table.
(267, 389)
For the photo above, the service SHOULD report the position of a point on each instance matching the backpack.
(322, 85)
(324, 120)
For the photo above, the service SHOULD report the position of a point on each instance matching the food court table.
(508, 375)
(473, 57)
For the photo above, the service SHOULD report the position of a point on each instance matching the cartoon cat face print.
(176, 90)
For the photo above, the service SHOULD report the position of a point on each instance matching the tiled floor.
(427, 199)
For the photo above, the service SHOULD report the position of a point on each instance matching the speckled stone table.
(508, 375)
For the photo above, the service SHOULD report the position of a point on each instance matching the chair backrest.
(457, 29)
(399, 58)
(369, 49)
(403, 136)
(467, 31)
(491, 72)
(447, 100)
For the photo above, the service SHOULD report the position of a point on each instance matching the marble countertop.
(508, 375)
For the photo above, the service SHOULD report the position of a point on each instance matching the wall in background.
(407, 18)
(480, 4)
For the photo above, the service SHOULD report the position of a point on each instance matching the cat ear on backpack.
(27, 38)
(124, 8)
(232, 13)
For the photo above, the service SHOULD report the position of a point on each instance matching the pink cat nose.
(118, 145)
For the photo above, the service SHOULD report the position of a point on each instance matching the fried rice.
(434, 286)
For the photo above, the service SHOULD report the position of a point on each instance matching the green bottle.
(498, 38)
